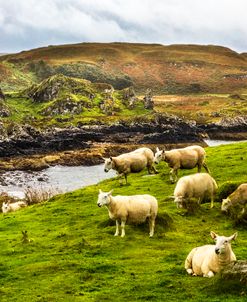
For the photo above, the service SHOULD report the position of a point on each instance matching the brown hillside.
(165, 69)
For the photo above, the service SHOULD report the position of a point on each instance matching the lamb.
(209, 259)
(131, 209)
(12, 207)
(239, 196)
(134, 162)
(198, 185)
(184, 158)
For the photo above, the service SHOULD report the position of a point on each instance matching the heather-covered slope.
(165, 69)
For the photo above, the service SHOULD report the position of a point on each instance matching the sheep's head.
(5, 207)
(103, 198)
(222, 243)
(159, 154)
(225, 204)
(179, 201)
(108, 164)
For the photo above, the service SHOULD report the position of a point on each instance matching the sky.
(27, 24)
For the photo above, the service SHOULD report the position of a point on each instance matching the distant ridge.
(166, 69)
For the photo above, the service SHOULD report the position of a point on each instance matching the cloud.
(32, 23)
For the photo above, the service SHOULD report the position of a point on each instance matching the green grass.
(75, 257)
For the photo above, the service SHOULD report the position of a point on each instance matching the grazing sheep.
(184, 158)
(134, 162)
(12, 207)
(133, 209)
(238, 197)
(199, 185)
(209, 259)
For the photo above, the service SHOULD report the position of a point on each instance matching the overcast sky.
(26, 24)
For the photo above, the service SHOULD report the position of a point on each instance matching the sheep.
(238, 197)
(184, 158)
(198, 185)
(131, 209)
(12, 207)
(209, 259)
(134, 162)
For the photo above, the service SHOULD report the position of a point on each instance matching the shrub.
(38, 195)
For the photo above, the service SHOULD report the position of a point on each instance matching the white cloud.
(33, 23)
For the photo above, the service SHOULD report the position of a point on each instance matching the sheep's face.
(222, 243)
(159, 154)
(225, 204)
(103, 198)
(108, 164)
(5, 207)
(179, 201)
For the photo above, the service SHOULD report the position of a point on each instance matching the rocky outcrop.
(23, 140)
(4, 110)
(235, 271)
(227, 128)
(148, 99)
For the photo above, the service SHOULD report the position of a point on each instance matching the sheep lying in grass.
(131, 162)
(184, 158)
(199, 185)
(12, 207)
(133, 209)
(238, 197)
(207, 260)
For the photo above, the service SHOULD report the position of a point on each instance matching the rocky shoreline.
(25, 148)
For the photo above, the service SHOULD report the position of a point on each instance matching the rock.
(236, 271)
(148, 100)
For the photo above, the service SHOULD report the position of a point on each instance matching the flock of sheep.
(202, 261)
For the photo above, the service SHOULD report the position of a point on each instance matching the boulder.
(235, 271)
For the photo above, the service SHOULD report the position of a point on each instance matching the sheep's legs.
(123, 226)
(173, 172)
(209, 274)
(152, 169)
(120, 177)
(117, 228)
(212, 202)
(206, 168)
(151, 226)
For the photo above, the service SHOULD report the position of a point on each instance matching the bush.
(37, 195)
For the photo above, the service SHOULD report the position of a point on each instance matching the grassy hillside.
(75, 257)
(172, 69)
(203, 108)
(62, 101)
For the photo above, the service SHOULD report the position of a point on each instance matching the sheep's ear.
(157, 149)
(233, 237)
(100, 191)
(111, 158)
(172, 196)
(104, 158)
(213, 235)
(110, 193)
(163, 151)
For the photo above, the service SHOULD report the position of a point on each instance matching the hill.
(172, 69)
(73, 255)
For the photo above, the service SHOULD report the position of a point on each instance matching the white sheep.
(131, 162)
(184, 158)
(209, 259)
(238, 197)
(198, 185)
(12, 207)
(131, 209)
